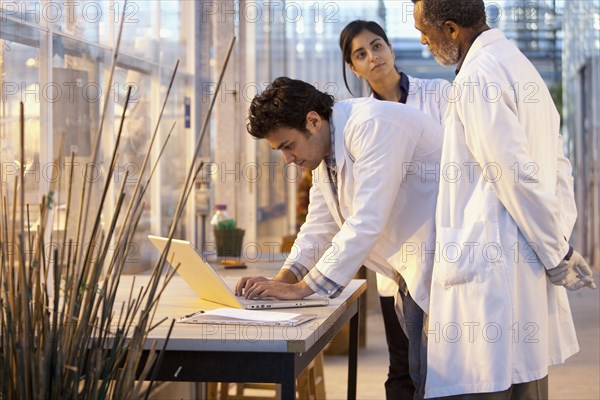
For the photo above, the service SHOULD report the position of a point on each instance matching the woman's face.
(371, 57)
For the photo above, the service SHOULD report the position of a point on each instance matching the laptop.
(209, 286)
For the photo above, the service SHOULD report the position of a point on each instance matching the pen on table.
(194, 313)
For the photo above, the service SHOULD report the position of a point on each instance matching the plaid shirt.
(315, 280)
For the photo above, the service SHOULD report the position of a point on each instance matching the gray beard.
(447, 55)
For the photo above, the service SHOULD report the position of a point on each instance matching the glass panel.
(85, 19)
(272, 199)
(175, 160)
(140, 28)
(79, 74)
(135, 140)
(172, 34)
(272, 195)
(20, 82)
(22, 11)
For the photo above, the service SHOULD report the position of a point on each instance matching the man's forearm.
(286, 276)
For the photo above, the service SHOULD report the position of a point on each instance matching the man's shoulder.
(500, 56)
(374, 114)
(362, 105)
(356, 102)
(501, 64)
(368, 109)
(422, 83)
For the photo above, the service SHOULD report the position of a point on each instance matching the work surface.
(246, 353)
(178, 300)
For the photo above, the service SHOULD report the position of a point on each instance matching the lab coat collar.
(484, 39)
(464, 56)
(404, 88)
(339, 118)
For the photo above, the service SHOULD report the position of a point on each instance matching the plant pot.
(229, 242)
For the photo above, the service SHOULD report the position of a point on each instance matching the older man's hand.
(573, 274)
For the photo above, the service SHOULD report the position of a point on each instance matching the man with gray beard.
(499, 314)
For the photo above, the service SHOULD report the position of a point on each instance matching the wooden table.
(248, 353)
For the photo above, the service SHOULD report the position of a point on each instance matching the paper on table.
(252, 315)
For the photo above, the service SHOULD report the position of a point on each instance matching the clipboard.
(233, 316)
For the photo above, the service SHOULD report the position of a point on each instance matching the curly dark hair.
(285, 104)
(465, 13)
(348, 34)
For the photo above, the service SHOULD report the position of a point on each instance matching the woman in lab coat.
(368, 53)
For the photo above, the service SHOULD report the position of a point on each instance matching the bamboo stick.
(58, 335)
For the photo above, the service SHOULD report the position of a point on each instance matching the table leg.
(353, 353)
(288, 386)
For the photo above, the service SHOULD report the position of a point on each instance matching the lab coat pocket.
(460, 259)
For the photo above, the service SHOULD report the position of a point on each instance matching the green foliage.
(556, 92)
(226, 225)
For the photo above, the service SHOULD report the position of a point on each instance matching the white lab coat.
(494, 317)
(426, 95)
(429, 96)
(387, 157)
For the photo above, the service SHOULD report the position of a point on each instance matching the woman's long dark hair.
(348, 34)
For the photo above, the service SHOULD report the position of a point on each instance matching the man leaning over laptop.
(375, 172)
